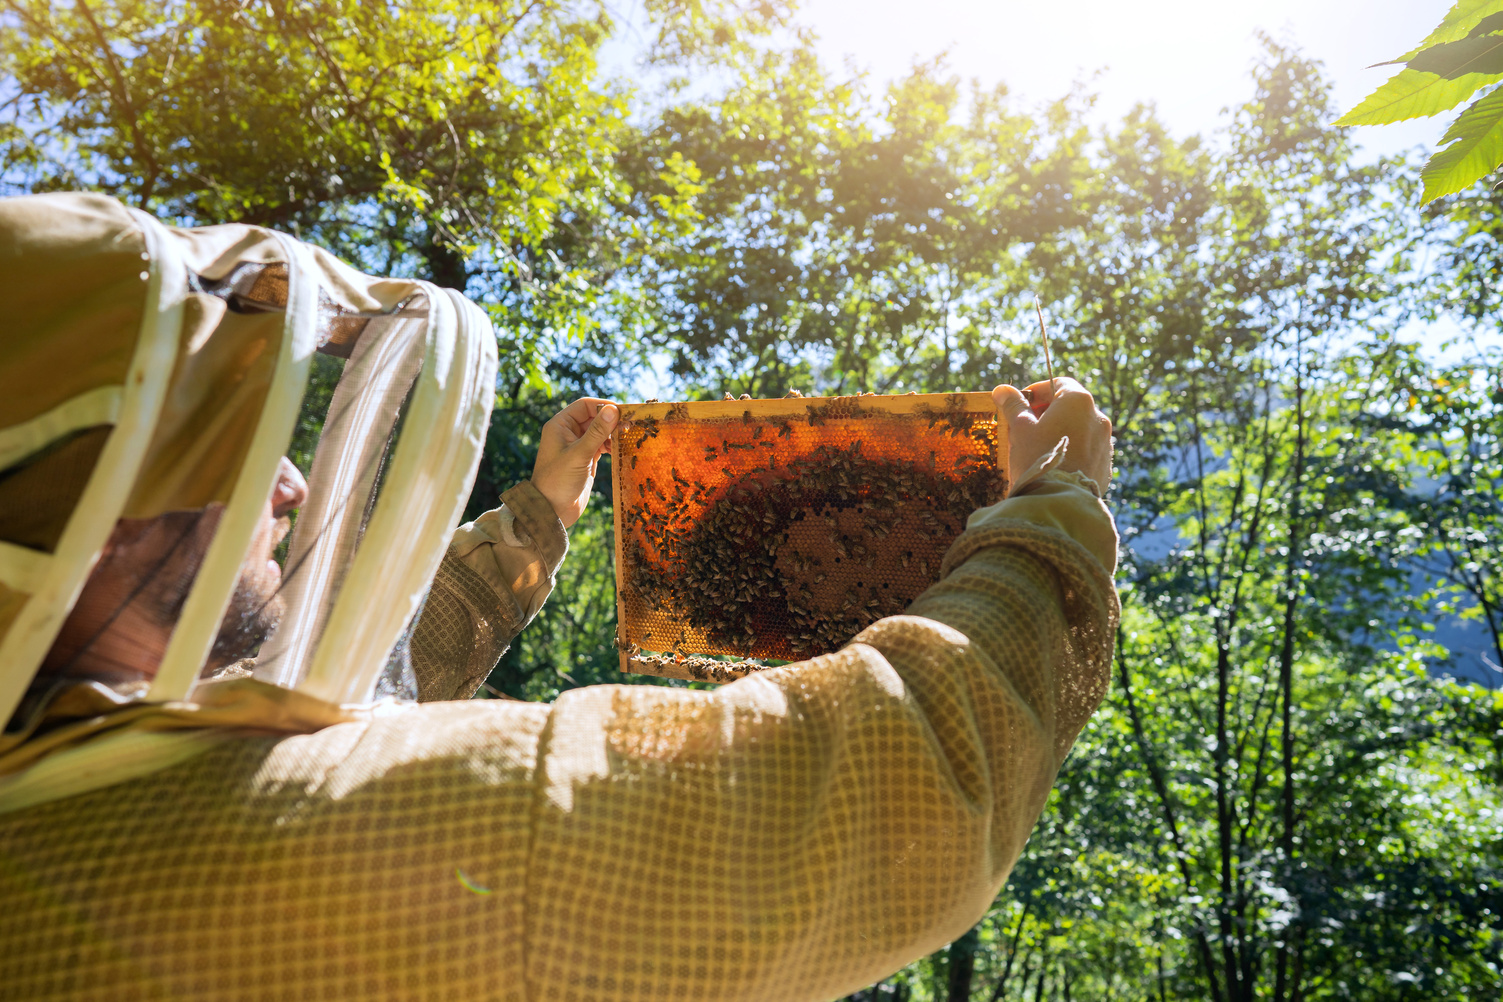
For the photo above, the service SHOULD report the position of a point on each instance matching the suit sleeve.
(808, 829)
(493, 580)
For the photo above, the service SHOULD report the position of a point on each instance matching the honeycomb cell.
(779, 529)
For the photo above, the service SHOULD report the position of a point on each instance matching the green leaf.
(1473, 54)
(1490, 25)
(1464, 18)
(1412, 94)
(1473, 147)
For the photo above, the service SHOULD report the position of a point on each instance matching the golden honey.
(779, 529)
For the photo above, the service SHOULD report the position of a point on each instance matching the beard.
(255, 610)
(257, 605)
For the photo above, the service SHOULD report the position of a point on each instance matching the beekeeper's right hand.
(570, 445)
(1038, 417)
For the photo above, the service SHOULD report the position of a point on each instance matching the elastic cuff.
(1045, 470)
(534, 515)
(1072, 477)
(512, 534)
(1062, 501)
(1044, 464)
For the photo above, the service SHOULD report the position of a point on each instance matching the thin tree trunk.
(146, 160)
(1012, 954)
(1224, 820)
(963, 965)
(1161, 790)
(1027, 972)
(1286, 662)
(446, 266)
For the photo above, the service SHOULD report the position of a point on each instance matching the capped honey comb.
(779, 529)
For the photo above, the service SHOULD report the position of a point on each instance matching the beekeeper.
(180, 819)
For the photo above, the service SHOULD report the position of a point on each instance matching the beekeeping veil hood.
(147, 370)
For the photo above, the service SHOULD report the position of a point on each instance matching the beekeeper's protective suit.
(793, 835)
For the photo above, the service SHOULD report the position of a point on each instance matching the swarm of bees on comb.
(750, 531)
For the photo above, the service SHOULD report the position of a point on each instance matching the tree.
(854, 241)
(1257, 810)
(1457, 507)
(475, 144)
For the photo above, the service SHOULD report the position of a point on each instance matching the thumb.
(1010, 402)
(599, 430)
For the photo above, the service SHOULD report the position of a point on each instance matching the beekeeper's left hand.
(571, 444)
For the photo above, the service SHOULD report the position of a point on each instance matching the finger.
(598, 432)
(1057, 392)
(1039, 397)
(1041, 394)
(576, 417)
(1010, 402)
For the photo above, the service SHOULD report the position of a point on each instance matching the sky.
(1190, 58)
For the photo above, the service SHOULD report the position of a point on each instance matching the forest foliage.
(1287, 793)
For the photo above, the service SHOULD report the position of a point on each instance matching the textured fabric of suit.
(793, 835)
(494, 579)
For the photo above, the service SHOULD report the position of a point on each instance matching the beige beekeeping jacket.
(793, 835)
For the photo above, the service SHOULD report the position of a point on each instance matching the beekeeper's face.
(119, 628)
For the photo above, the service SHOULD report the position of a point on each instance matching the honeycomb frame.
(778, 529)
